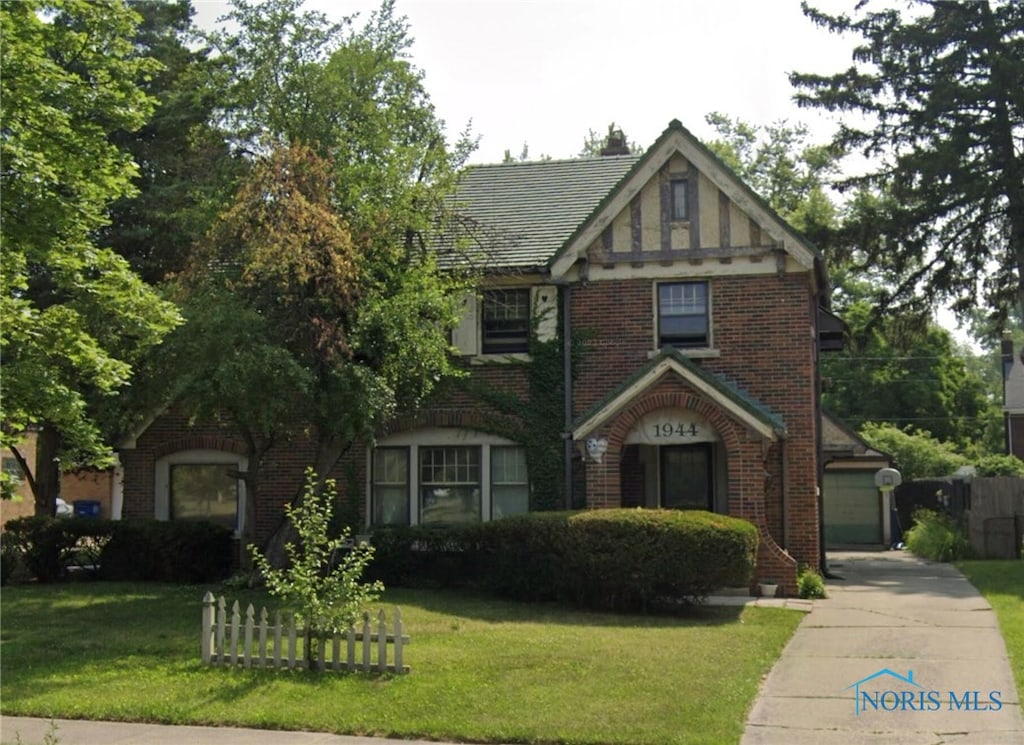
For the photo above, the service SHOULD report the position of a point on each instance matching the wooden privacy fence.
(231, 641)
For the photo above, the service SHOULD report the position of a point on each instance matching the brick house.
(686, 318)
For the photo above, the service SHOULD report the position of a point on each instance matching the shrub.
(47, 546)
(426, 556)
(321, 583)
(1000, 465)
(936, 536)
(631, 559)
(522, 557)
(809, 584)
(916, 453)
(167, 551)
(606, 559)
(8, 559)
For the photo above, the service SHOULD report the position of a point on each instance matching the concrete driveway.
(903, 652)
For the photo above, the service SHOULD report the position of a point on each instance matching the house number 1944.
(675, 429)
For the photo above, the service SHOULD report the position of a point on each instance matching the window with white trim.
(683, 317)
(204, 492)
(200, 485)
(510, 486)
(445, 475)
(391, 486)
(506, 321)
(449, 484)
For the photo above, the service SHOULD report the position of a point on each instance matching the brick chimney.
(616, 144)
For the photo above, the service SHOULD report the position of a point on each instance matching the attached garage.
(855, 511)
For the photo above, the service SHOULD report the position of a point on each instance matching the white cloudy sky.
(545, 72)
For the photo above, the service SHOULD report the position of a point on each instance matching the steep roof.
(518, 215)
(838, 439)
(677, 139)
(723, 391)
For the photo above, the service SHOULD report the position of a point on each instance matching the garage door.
(852, 508)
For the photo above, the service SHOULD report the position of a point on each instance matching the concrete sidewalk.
(894, 617)
(79, 732)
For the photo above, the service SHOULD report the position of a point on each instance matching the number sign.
(671, 427)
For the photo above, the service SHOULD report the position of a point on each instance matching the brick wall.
(763, 329)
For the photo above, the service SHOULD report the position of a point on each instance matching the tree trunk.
(327, 456)
(46, 487)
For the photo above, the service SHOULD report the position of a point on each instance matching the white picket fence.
(231, 641)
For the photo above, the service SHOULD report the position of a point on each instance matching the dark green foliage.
(47, 546)
(809, 584)
(999, 465)
(916, 375)
(426, 555)
(159, 551)
(524, 556)
(936, 536)
(185, 552)
(934, 104)
(621, 559)
(185, 167)
(606, 559)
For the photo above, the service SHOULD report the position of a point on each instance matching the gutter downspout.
(785, 487)
(819, 443)
(567, 386)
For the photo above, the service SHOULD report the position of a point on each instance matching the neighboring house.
(696, 314)
(85, 490)
(1013, 399)
(856, 512)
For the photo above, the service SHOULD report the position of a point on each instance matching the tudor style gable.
(679, 202)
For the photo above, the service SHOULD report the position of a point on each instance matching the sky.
(544, 73)
(547, 72)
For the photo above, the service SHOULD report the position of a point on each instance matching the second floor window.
(506, 321)
(680, 200)
(683, 315)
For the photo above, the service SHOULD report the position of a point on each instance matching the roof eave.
(671, 361)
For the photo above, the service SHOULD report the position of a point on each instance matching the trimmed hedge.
(168, 551)
(625, 559)
(426, 556)
(183, 552)
(46, 546)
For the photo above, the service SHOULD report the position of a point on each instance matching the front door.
(686, 482)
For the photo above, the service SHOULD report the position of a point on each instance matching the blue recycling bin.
(87, 508)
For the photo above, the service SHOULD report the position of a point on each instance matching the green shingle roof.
(519, 214)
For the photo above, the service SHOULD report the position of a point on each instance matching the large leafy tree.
(324, 243)
(909, 373)
(934, 102)
(75, 317)
(916, 375)
(786, 170)
(351, 332)
(186, 169)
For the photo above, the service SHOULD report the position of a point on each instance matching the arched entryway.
(674, 458)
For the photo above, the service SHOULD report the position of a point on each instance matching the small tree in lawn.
(321, 582)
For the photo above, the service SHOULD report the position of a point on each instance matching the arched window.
(201, 485)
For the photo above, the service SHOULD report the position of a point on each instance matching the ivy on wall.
(536, 420)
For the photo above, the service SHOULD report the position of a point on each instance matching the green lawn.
(1002, 584)
(483, 670)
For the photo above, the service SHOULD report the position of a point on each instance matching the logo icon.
(888, 691)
